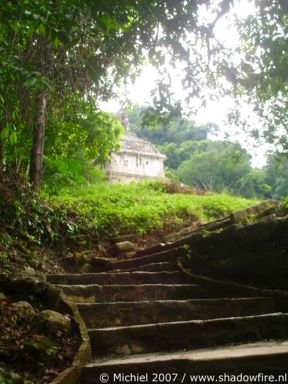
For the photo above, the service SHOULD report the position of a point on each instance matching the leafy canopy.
(71, 48)
(259, 75)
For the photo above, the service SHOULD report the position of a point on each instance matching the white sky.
(216, 112)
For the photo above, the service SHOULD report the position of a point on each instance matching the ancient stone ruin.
(137, 159)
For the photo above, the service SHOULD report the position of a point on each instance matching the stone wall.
(125, 167)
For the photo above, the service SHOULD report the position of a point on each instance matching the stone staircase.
(150, 322)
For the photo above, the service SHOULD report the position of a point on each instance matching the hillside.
(45, 233)
(146, 208)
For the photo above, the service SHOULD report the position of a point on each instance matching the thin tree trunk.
(36, 159)
(2, 155)
(2, 152)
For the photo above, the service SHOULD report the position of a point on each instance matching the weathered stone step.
(185, 237)
(186, 335)
(94, 293)
(147, 312)
(97, 293)
(126, 278)
(166, 256)
(254, 358)
(154, 267)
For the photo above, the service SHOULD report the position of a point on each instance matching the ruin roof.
(131, 143)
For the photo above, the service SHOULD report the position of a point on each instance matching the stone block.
(123, 247)
(51, 322)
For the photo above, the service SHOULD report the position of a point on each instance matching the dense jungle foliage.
(213, 165)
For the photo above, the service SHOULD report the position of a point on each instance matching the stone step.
(252, 358)
(186, 237)
(125, 278)
(154, 267)
(182, 335)
(199, 289)
(94, 293)
(139, 261)
(147, 312)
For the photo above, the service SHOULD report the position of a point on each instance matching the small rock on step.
(122, 247)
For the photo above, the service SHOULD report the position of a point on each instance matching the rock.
(86, 268)
(51, 322)
(26, 307)
(23, 304)
(123, 247)
(123, 349)
(2, 296)
(80, 258)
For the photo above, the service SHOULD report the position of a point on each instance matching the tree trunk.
(36, 159)
(2, 152)
(2, 156)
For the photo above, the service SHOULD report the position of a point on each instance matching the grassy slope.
(46, 235)
(142, 208)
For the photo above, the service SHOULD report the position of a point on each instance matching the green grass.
(143, 207)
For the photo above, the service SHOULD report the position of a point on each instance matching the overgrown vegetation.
(34, 234)
(144, 207)
(45, 233)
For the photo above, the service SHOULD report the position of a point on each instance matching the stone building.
(137, 159)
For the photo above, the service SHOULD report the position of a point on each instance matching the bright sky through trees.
(215, 111)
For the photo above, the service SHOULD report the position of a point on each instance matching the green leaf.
(57, 42)
(41, 30)
(94, 75)
(107, 22)
(13, 138)
(5, 132)
(30, 82)
(14, 114)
